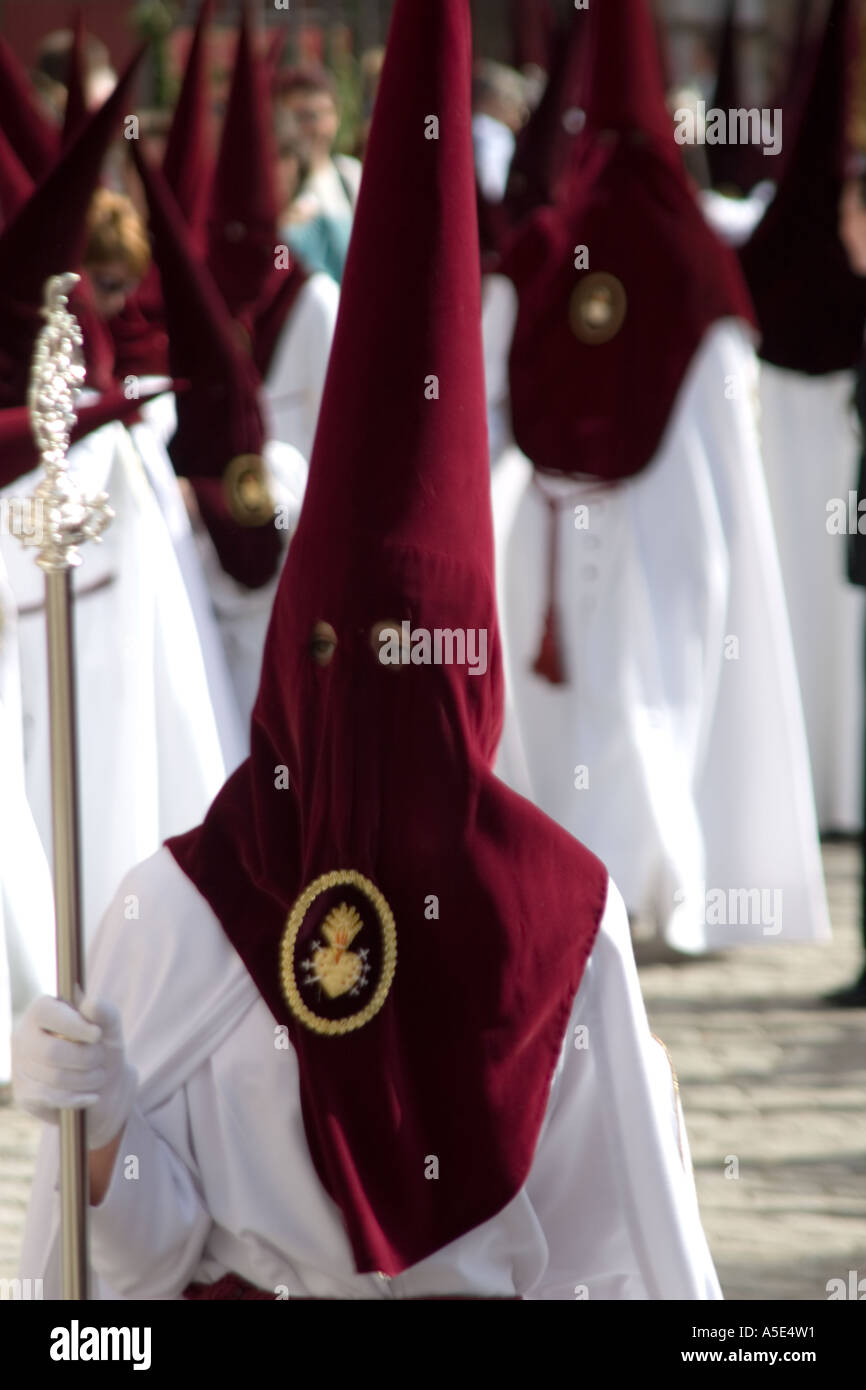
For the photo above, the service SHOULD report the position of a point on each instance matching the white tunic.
(676, 750)
(234, 738)
(225, 1181)
(810, 437)
(296, 378)
(150, 757)
(26, 905)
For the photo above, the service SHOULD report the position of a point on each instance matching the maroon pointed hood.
(533, 26)
(32, 136)
(76, 83)
(599, 353)
(321, 882)
(811, 306)
(218, 419)
(545, 144)
(242, 217)
(728, 163)
(16, 184)
(188, 162)
(38, 242)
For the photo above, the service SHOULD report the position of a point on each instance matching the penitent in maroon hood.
(420, 929)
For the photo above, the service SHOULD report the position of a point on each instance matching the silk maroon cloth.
(47, 236)
(600, 409)
(242, 214)
(187, 164)
(219, 418)
(269, 316)
(811, 306)
(389, 770)
(32, 136)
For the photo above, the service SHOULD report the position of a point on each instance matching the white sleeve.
(611, 1182)
(148, 1233)
(296, 378)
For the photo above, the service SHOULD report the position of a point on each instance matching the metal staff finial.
(65, 519)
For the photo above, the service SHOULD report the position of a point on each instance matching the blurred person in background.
(118, 251)
(309, 95)
(499, 110)
(319, 238)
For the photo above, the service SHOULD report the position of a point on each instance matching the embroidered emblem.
(337, 969)
(598, 307)
(246, 491)
(339, 951)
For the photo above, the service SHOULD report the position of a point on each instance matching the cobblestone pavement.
(768, 1078)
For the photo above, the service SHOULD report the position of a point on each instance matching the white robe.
(244, 614)
(225, 1181)
(151, 448)
(676, 751)
(149, 751)
(27, 960)
(810, 437)
(296, 379)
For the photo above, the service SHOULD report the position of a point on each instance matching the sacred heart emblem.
(335, 967)
(338, 953)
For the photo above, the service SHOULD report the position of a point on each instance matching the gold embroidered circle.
(598, 307)
(246, 490)
(348, 922)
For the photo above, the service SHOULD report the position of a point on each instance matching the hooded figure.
(405, 945)
(150, 754)
(286, 314)
(811, 310)
(248, 494)
(32, 136)
(653, 702)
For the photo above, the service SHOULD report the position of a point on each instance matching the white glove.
(82, 1068)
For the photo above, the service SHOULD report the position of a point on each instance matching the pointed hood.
(533, 25)
(218, 419)
(625, 86)
(38, 243)
(617, 286)
(811, 306)
(32, 136)
(320, 879)
(76, 83)
(726, 162)
(188, 163)
(544, 145)
(242, 217)
(16, 184)
(604, 338)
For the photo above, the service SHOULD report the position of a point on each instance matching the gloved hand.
(82, 1068)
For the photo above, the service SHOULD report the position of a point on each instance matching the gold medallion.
(246, 491)
(338, 953)
(598, 307)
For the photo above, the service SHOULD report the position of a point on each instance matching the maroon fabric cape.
(600, 409)
(389, 771)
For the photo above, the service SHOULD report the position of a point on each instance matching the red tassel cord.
(548, 663)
